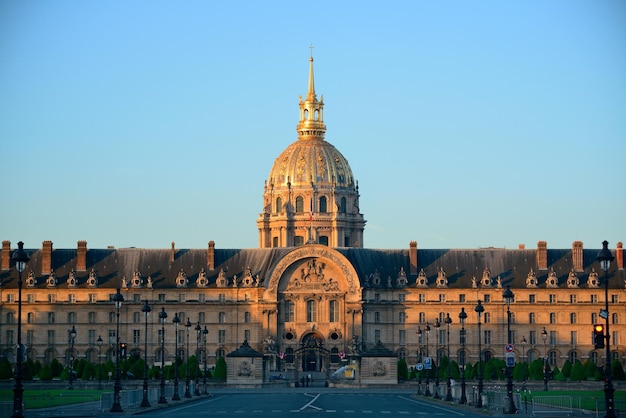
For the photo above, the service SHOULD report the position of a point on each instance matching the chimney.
(413, 257)
(577, 256)
(521, 246)
(172, 253)
(46, 258)
(211, 256)
(619, 256)
(6, 255)
(81, 257)
(542, 255)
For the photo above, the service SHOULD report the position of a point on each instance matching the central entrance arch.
(312, 358)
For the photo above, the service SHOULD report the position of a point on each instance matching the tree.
(403, 370)
(56, 368)
(567, 368)
(535, 370)
(220, 369)
(617, 371)
(45, 373)
(578, 371)
(591, 370)
(5, 369)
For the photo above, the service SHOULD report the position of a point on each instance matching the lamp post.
(99, 342)
(544, 336)
(145, 403)
(162, 318)
(419, 359)
(72, 337)
(176, 321)
(117, 386)
(205, 332)
(508, 298)
(437, 324)
(20, 258)
(448, 321)
(524, 360)
(187, 381)
(462, 318)
(427, 391)
(198, 329)
(605, 257)
(479, 309)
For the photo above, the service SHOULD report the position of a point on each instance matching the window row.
(289, 311)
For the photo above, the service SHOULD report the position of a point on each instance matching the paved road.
(313, 403)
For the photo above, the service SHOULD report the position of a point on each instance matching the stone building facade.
(311, 295)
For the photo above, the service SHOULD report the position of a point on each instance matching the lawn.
(46, 398)
(585, 399)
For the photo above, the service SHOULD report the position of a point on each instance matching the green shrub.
(220, 369)
(403, 370)
(567, 368)
(45, 373)
(6, 372)
(617, 371)
(578, 371)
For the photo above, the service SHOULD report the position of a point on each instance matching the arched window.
(487, 355)
(289, 311)
(342, 205)
(573, 356)
(311, 311)
(334, 355)
(323, 204)
(279, 204)
(299, 204)
(333, 310)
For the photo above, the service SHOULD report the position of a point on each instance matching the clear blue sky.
(467, 124)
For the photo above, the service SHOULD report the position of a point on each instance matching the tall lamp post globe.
(509, 298)
(162, 318)
(427, 390)
(205, 332)
(479, 309)
(71, 356)
(198, 329)
(419, 359)
(604, 258)
(176, 321)
(437, 324)
(20, 259)
(462, 318)
(99, 342)
(448, 321)
(145, 403)
(187, 379)
(117, 386)
(544, 337)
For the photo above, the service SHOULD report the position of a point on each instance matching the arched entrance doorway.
(312, 358)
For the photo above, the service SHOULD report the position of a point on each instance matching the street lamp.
(20, 258)
(176, 321)
(508, 298)
(462, 318)
(117, 386)
(419, 359)
(99, 341)
(448, 321)
(427, 391)
(524, 361)
(198, 329)
(605, 257)
(544, 336)
(187, 393)
(437, 324)
(204, 335)
(72, 337)
(479, 309)
(162, 318)
(145, 403)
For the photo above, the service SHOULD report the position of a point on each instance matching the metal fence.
(553, 405)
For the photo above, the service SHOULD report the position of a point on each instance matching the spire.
(311, 124)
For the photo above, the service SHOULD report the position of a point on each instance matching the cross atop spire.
(311, 48)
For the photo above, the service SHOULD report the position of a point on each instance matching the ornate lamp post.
(162, 318)
(427, 391)
(437, 324)
(605, 257)
(523, 359)
(419, 359)
(20, 258)
(204, 335)
(544, 336)
(187, 381)
(508, 298)
(145, 403)
(99, 342)
(117, 386)
(448, 321)
(479, 309)
(198, 329)
(176, 321)
(72, 338)
(462, 318)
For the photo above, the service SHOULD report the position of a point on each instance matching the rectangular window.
(161, 297)
(311, 311)
(552, 318)
(93, 298)
(402, 336)
(333, 310)
(572, 298)
(594, 318)
(376, 317)
(222, 297)
(573, 337)
(246, 334)
(50, 337)
(10, 298)
(442, 336)
(421, 297)
(376, 335)
(91, 337)
(422, 317)
(181, 297)
(532, 337)
(531, 318)
(594, 298)
(614, 299)
(30, 298)
(52, 298)
(9, 340)
(289, 311)
(112, 337)
(51, 318)
(572, 318)
(136, 317)
(615, 340)
(30, 337)
(552, 298)
(402, 317)
(221, 336)
(531, 298)
(136, 337)
(401, 298)
(201, 317)
(201, 298)
(487, 298)
(442, 297)
(246, 317)
(552, 337)
(136, 298)
(512, 337)
(462, 298)
(487, 337)
(376, 297)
